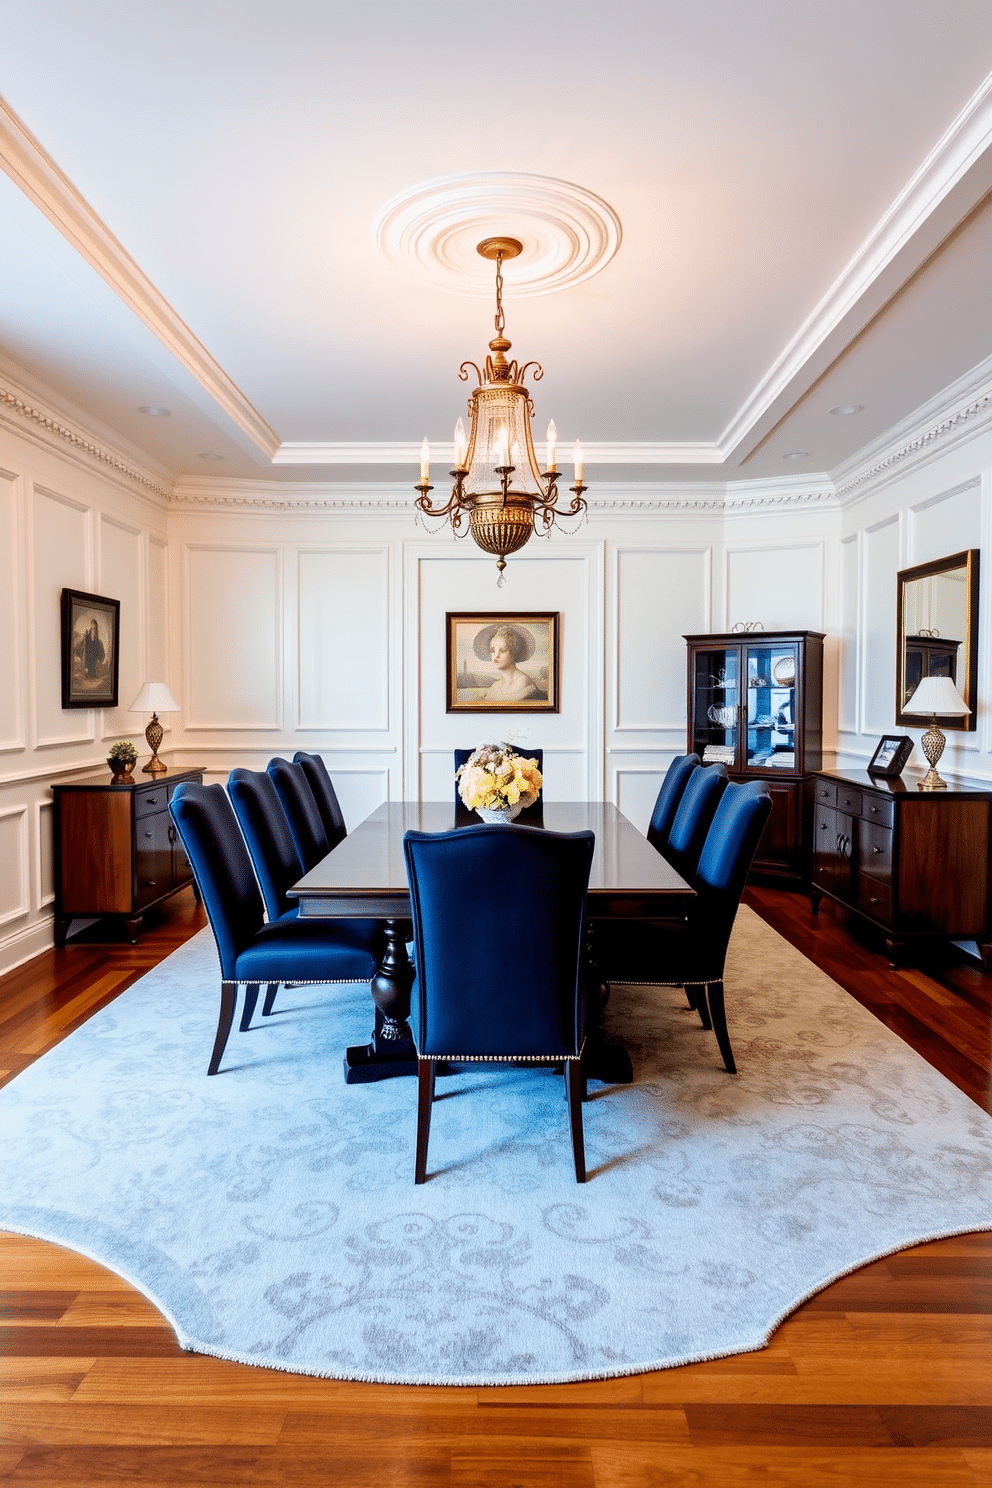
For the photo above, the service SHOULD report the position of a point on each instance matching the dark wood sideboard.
(116, 850)
(915, 863)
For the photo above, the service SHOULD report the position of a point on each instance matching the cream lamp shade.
(935, 697)
(154, 698)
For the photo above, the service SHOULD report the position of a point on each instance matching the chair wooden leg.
(714, 994)
(228, 998)
(425, 1097)
(575, 1081)
(270, 997)
(697, 999)
(251, 997)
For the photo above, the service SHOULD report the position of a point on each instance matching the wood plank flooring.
(883, 1378)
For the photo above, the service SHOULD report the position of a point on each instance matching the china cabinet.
(116, 849)
(755, 703)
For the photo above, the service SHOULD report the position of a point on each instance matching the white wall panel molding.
(44, 854)
(849, 689)
(658, 594)
(14, 894)
(235, 637)
(29, 165)
(12, 607)
(959, 413)
(782, 585)
(344, 634)
(634, 788)
(881, 548)
(59, 555)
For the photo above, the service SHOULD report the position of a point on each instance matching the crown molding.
(16, 411)
(32, 169)
(911, 229)
(957, 413)
(443, 453)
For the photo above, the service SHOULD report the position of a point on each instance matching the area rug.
(270, 1212)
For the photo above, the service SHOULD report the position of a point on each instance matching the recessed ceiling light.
(843, 410)
(207, 456)
(153, 411)
(796, 455)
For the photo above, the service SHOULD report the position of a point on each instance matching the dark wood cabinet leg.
(814, 900)
(62, 923)
(985, 951)
(133, 923)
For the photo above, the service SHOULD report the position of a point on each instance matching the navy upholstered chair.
(482, 993)
(668, 798)
(691, 822)
(252, 952)
(325, 796)
(270, 843)
(297, 801)
(692, 953)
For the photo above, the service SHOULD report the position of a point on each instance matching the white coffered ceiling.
(193, 191)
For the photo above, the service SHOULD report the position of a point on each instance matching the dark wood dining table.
(365, 878)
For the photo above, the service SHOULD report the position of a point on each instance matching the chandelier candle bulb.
(425, 461)
(461, 446)
(552, 446)
(579, 461)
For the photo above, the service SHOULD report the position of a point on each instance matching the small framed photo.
(892, 753)
(502, 663)
(90, 650)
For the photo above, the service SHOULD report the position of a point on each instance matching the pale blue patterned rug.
(271, 1214)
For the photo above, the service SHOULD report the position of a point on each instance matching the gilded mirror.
(937, 629)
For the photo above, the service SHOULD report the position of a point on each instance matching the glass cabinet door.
(716, 704)
(770, 670)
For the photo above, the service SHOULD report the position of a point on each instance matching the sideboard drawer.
(876, 851)
(878, 809)
(825, 793)
(849, 800)
(153, 798)
(874, 898)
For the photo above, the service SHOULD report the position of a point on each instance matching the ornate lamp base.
(933, 747)
(153, 734)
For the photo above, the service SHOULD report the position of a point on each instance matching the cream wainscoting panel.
(659, 595)
(61, 558)
(849, 609)
(12, 700)
(120, 552)
(878, 629)
(565, 577)
(780, 586)
(14, 903)
(635, 789)
(234, 637)
(945, 524)
(343, 646)
(44, 853)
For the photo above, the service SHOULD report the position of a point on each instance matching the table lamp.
(933, 696)
(154, 698)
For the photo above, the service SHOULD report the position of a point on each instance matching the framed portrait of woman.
(90, 650)
(504, 663)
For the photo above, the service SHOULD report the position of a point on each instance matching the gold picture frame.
(502, 663)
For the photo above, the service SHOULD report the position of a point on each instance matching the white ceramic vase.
(504, 814)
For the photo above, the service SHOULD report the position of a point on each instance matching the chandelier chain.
(499, 320)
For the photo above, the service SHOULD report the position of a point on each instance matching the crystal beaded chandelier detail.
(499, 486)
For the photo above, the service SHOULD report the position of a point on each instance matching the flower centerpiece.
(497, 782)
(122, 758)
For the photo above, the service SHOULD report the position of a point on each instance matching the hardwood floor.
(884, 1377)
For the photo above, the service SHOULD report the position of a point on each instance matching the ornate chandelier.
(498, 484)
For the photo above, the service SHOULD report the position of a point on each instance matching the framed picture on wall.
(90, 650)
(892, 753)
(502, 663)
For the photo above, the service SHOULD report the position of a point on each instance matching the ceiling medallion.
(501, 518)
(567, 234)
